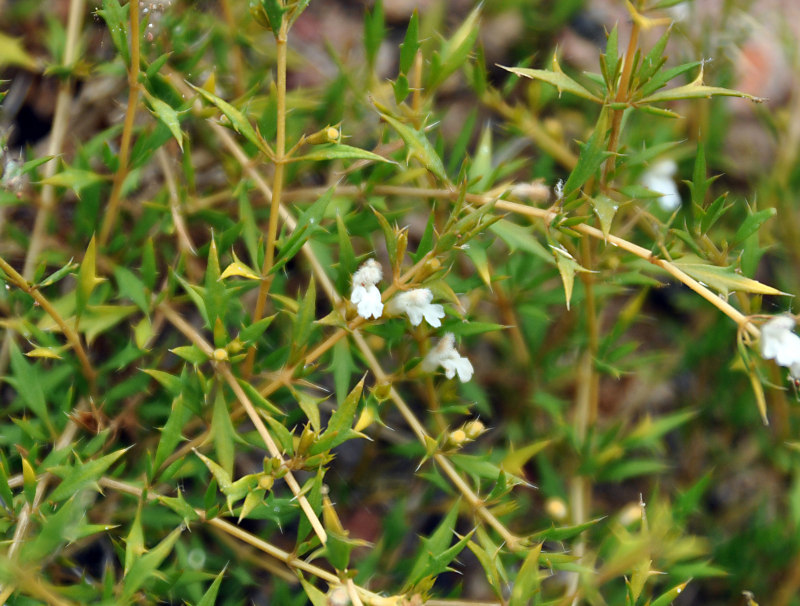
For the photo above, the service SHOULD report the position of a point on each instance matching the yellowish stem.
(127, 129)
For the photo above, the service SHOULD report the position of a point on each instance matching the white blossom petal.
(779, 343)
(445, 355)
(367, 301)
(417, 304)
(365, 295)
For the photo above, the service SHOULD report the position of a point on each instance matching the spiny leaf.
(87, 277)
(557, 78)
(695, 90)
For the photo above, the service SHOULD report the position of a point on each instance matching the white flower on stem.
(659, 178)
(366, 296)
(446, 356)
(417, 304)
(779, 343)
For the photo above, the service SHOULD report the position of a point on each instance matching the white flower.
(779, 343)
(417, 304)
(659, 178)
(366, 296)
(445, 355)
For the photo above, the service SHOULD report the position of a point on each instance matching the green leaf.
(518, 237)
(274, 11)
(57, 275)
(223, 433)
(87, 277)
(210, 596)
(339, 151)
(170, 382)
(695, 90)
(74, 178)
(722, 279)
(557, 78)
(132, 287)
(5, 490)
(752, 223)
(605, 208)
(216, 296)
(567, 267)
(418, 146)
(28, 383)
(84, 475)
(259, 400)
(171, 432)
(222, 477)
(97, 319)
(301, 331)
(410, 45)
(310, 406)
(374, 31)
(237, 119)
(435, 556)
(190, 353)
(134, 542)
(527, 584)
(307, 224)
(610, 60)
(12, 52)
(340, 424)
(342, 367)
(180, 506)
(57, 529)
(248, 335)
(168, 116)
(455, 50)
(146, 567)
(315, 595)
(590, 159)
(116, 18)
(562, 533)
(669, 596)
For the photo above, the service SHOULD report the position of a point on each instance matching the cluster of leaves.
(196, 365)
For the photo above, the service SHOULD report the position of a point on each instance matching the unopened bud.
(266, 482)
(220, 355)
(556, 508)
(474, 429)
(307, 439)
(457, 437)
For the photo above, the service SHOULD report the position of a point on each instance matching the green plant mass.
(388, 304)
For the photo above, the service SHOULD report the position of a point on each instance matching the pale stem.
(127, 129)
(69, 332)
(224, 370)
(277, 189)
(185, 243)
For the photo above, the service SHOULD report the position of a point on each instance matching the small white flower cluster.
(417, 304)
(366, 296)
(780, 343)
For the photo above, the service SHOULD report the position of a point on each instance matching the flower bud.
(307, 439)
(474, 429)
(266, 482)
(556, 508)
(220, 355)
(457, 438)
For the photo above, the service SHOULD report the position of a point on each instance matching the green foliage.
(484, 250)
